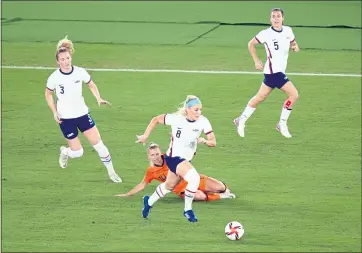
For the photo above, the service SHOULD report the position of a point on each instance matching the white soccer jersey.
(68, 88)
(185, 134)
(277, 44)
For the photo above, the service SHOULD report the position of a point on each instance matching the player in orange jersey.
(209, 188)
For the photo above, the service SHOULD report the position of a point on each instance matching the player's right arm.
(50, 100)
(145, 181)
(252, 51)
(140, 187)
(258, 39)
(160, 119)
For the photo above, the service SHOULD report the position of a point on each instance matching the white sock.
(74, 153)
(160, 192)
(285, 115)
(246, 113)
(105, 156)
(193, 181)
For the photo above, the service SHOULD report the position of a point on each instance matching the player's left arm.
(210, 136)
(210, 139)
(293, 42)
(94, 89)
(86, 78)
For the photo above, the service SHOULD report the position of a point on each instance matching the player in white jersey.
(187, 125)
(71, 112)
(277, 40)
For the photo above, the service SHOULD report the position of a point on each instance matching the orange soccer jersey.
(159, 173)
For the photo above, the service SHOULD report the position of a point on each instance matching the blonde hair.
(182, 109)
(64, 45)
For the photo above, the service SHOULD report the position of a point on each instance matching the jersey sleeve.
(261, 37)
(171, 119)
(207, 126)
(50, 84)
(148, 177)
(86, 78)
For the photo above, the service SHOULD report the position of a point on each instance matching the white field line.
(185, 71)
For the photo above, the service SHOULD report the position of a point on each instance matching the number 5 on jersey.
(276, 46)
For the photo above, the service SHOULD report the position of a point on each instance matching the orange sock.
(212, 196)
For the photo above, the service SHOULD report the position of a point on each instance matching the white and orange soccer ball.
(234, 230)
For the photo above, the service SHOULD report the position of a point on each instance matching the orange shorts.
(180, 187)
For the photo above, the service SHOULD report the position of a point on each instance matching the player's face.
(65, 61)
(154, 155)
(276, 19)
(194, 112)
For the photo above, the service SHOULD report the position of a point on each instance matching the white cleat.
(227, 195)
(240, 126)
(63, 157)
(115, 178)
(283, 129)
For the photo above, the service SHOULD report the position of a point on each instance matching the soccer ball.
(234, 230)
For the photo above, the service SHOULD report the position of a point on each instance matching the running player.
(277, 40)
(187, 125)
(71, 112)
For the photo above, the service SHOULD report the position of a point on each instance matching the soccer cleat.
(283, 129)
(240, 126)
(115, 178)
(227, 195)
(146, 207)
(63, 157)
(190, 216)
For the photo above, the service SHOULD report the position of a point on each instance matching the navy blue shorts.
(70, 127)
(276, 80)
(172, 162)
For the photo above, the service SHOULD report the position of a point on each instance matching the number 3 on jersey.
(178, 133)
(61, 89)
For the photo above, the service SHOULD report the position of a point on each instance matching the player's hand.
(141, 139)
(201, 140)
(295, 48)
(259, 65)
(56, 118)
(121, 195)
(101, 101)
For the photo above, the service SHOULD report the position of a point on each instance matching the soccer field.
(293, 195)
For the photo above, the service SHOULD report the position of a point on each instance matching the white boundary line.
(184, 71)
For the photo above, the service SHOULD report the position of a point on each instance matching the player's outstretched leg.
(106, 159)
(160, 192)
(292, 92)
(193, 179)
(146, 207)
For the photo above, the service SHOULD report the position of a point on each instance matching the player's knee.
(296, 95)
(258, 98)
(170, 186)
(192, 176)
(75, 153)
(200, 196)
(221, 187)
